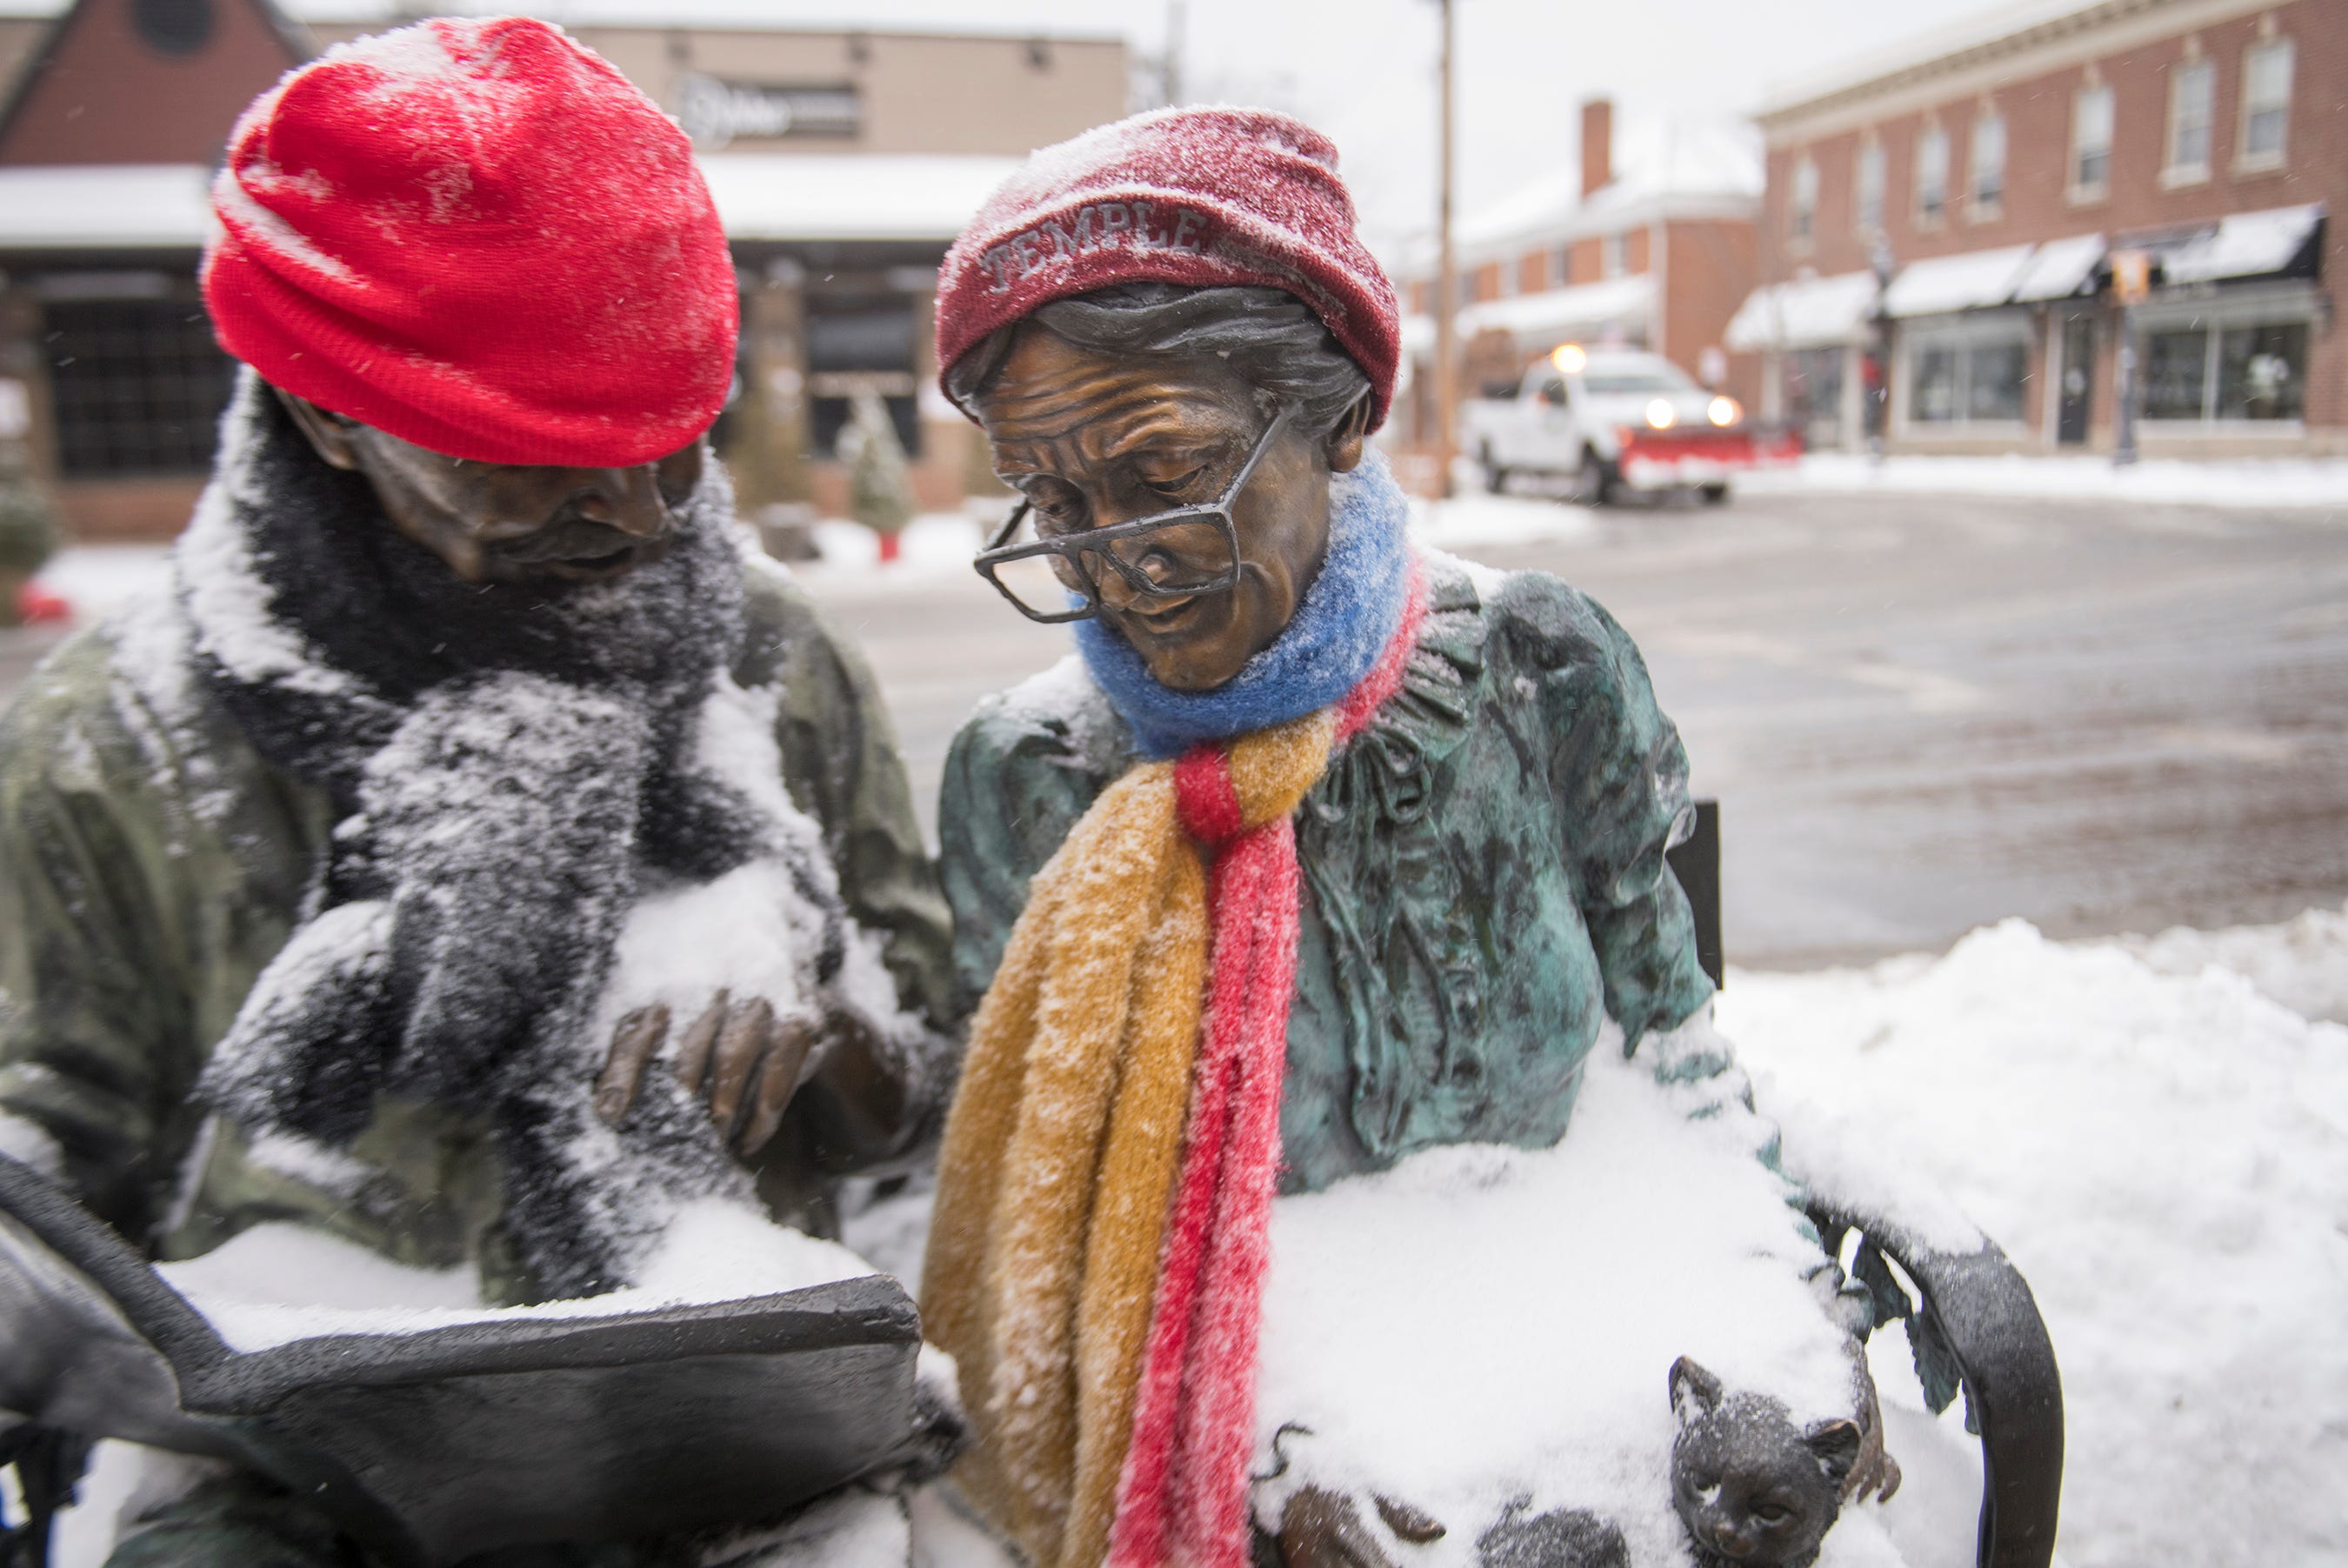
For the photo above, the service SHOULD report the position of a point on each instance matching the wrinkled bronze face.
(1093, 439)
(511, 522)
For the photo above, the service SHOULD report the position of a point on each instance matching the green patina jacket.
(1484, 881)
(152, 863)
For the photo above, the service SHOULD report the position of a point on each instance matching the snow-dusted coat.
(1483, 873)
(152, 863)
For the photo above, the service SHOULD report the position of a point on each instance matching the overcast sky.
(1364, 70)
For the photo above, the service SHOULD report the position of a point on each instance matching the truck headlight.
(1661, 415)
(1723, 411)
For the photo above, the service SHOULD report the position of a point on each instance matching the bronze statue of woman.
(1322, 850)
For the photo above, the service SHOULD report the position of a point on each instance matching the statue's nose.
(628, 500)
(1731, 1541)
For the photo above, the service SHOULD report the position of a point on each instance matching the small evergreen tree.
(879, 484)
(29, 529)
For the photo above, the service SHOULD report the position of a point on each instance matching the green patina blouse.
(1484, 881)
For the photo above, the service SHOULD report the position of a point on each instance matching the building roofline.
(649, 13)
(2009, 29)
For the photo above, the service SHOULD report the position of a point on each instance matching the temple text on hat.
(1095, 226)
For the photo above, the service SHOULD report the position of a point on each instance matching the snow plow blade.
(428, 1448)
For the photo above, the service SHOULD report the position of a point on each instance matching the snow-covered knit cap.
(477, 236)
(1203, 197)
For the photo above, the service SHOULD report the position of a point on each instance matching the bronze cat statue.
(1754, 1490)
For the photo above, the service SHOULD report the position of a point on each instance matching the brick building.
(842, 164)
(1657, 254)
(1948, 218)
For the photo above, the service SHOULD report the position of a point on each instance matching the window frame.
(2246, 160)
(1868, 196)
(2174, 172)
(1966, 333)
(1615, 255)
(1801, 205)
(1928, 136)
(2284, 304)
(2077, 191)
(1985, 210)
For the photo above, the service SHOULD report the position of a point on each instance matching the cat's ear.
(1694, 1392)
(1835, 1445)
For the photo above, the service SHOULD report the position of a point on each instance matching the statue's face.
(1093, 439)
(512, 521)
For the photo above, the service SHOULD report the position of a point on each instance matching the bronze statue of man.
(1324, 850)
(471, 764)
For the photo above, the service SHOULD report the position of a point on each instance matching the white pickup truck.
(1613, 420)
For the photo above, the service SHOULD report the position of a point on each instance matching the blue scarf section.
(1348, 616)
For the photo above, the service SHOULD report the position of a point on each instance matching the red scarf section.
(1182, 1497)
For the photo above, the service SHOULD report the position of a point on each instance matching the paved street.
(1920, 714)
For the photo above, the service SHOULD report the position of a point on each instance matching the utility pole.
(2131, 281)
(1446, 284)
(1173, 63)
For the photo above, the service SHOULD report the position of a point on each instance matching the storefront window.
(1993, 382)
(2174, 368)
(1934, 398)
(1814, 396)
(1969, 373)
(2254, 372)
(138, 385)
(2260, 371)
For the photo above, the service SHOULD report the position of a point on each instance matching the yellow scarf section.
(1063, 1143)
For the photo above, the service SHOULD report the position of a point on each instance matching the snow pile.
(2241, 483)
(2165, 1156)
(275, 1284)
(1482, 1323)
(97, 579)
(2302, 962)
(939, 543)
(1470, 521)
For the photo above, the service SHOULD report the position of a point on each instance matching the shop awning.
(2061, 268)
(2243, 245)
(759, 196)
(1970, 281)
(105, 206)
(1807, 313)
(849, 196)
(1552, 317)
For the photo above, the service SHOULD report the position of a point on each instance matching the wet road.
(1920, 714)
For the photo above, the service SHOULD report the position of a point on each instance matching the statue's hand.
(741, 1055)
(1323, 1529)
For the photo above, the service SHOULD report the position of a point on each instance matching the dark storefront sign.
(715, 112)
(865, 345)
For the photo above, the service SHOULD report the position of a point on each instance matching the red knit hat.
(479, 237)
(1205, 196)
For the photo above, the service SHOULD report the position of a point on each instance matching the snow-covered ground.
(2312, 482)
(2155, 1129)
(2156, 1132)
(945, 541)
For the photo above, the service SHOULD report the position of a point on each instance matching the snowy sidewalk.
(2319, 483)
(2156, 1132)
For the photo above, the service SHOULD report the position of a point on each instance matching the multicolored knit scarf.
(1097, 1259)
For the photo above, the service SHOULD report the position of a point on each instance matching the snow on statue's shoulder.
(1481, 1324)
(1062, 696)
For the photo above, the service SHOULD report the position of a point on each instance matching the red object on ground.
(1200, 197)
(482, 238)
(891, 548)
(37, 606)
